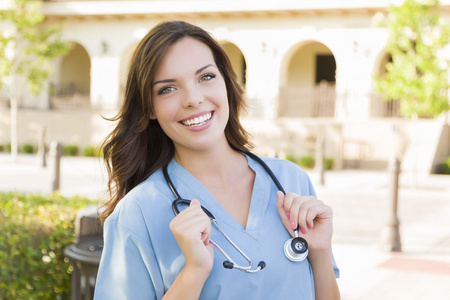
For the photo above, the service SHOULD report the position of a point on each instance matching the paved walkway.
(360, 200)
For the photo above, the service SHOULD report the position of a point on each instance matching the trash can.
(85, 253)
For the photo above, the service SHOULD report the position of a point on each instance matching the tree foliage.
(418, 74)
(26, 46)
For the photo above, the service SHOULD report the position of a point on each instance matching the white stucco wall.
(267, 44)
(276, 41)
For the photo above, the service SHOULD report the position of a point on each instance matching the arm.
(315, 220)
(192, 230)
(188, 285)
(324, 280)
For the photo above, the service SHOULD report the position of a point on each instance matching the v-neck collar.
(187, 184)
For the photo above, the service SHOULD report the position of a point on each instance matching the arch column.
(262, 72)
(105, 82)
(263, 81)
(356, 56)
(353, 85)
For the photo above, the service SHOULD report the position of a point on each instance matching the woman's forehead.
(186, 55)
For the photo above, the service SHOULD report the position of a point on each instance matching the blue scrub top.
(141, 258)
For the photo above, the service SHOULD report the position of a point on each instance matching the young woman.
(181, 112)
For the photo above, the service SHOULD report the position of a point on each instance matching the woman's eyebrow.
(203, 68)
(163, 81)
(173, 80)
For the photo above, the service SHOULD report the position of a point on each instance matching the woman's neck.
(219, 165)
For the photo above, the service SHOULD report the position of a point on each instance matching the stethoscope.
(295, 249)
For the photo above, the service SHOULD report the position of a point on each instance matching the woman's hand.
(314, 218)
(192, 231)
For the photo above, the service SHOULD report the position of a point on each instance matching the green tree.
(27, 48)
(417, 75)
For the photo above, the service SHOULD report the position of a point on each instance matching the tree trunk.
(14, 109)
(14, 143)
(415, 150)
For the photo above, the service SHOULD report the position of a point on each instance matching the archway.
(308, 89)
(237, 61)
(380, 107)
(72, 90)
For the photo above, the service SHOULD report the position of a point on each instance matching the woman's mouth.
(197, 121)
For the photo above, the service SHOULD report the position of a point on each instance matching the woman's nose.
(193, 97)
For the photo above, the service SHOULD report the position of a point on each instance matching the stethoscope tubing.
(229, 263)
(274, 179)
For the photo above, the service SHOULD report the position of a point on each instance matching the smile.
(198, 121)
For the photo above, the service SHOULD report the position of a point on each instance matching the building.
(307, 69)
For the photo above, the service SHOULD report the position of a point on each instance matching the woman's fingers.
(312, 216)
(192, 222)
(192, 231)
(301, 211)
(280, 206)
(194, 203)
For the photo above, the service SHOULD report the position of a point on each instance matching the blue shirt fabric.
(141, 258)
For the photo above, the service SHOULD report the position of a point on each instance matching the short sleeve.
(125, 267)
(337, 273)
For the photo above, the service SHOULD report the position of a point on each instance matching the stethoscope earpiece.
(262, 265)
(228, 264)
(296, 249)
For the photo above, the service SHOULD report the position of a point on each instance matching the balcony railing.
(70, 98)
(309, 102)
(320, 101)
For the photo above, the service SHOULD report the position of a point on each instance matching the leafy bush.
(8, 147)
(34, 231)
(70, 150)
(92, 151)
(306, 161)
(291, 158)
(89, 151)
(328, 163)
(445, 166)
(27, 148)
(2, 148)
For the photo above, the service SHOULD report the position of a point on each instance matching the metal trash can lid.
(83, 255)
(88, 244)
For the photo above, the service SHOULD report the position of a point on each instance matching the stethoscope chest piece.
(296, 249)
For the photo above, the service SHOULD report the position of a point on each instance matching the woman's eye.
(207, 77)
(165, 90)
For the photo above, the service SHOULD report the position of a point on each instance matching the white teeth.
(198, 120)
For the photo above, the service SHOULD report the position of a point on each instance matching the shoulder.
(284, 167)
(291, 176)
(137, 210)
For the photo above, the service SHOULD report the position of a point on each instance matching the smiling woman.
(180, 124)
(190, 98)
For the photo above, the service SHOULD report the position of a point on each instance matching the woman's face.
(190, 97)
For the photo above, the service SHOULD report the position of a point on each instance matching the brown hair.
(137, 146)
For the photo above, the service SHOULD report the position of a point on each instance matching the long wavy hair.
(137, 146)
